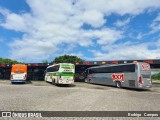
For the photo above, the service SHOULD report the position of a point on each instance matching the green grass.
(155, 80)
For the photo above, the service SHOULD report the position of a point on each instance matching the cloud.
(122, 23)
(94, 18)
(139, 36)
(155, 25)
(53, 23)
(133, 7)
(110, 36)
(4, 11)
(17, 22)
(157, 19)
(126, 51)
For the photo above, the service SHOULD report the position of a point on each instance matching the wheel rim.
(118, 84)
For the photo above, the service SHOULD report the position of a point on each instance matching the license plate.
(18, 77)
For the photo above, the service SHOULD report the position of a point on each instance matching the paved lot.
(42, 96)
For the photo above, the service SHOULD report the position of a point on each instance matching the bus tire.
(118, 84)
(53, 82)
(86, 81)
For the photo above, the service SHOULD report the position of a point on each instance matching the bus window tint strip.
(113, 69)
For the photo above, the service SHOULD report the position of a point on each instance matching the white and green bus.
(62, 73)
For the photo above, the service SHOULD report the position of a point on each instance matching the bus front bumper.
(145, 86)
(66, 82)
(18, 81)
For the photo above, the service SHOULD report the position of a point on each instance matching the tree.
(45, 61)
(8, 61)
(156, 76)
(67, 59)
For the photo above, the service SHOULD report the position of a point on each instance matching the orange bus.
(18, 73)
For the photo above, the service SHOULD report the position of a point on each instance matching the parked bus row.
(131, 75)
(62, 73)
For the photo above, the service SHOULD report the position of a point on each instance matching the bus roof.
(19, 65)
(110, 65)
(59, 64)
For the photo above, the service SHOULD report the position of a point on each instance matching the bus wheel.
(118, 84)
(86, 81)
(53, 82)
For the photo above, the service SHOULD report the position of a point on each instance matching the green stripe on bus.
(62, 74)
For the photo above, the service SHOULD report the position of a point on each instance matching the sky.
(38, 30)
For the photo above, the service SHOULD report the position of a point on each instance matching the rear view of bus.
(67, 72)
(62, 73)
(18, 73)
(144, 76)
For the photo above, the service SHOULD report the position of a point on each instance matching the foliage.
(8, 61)
(45, 61)
(67, 59)
(156, 76)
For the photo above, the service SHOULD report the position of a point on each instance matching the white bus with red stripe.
(131, 75)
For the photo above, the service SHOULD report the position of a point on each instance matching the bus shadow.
(100, 86)
(66, 85)
(123, 88)
(21, 83)
(28, 82)
(136, 89)
(62, 85)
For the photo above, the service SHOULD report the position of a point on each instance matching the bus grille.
(131, 83)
